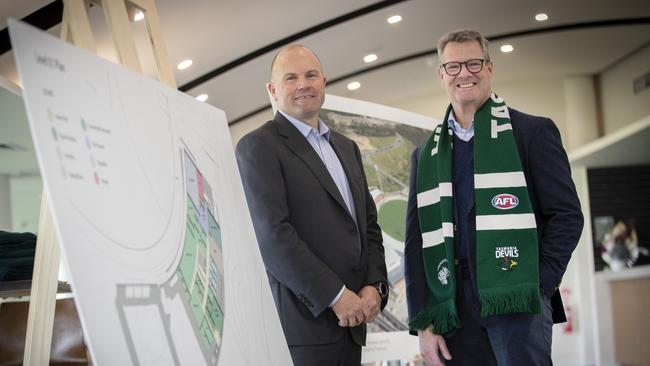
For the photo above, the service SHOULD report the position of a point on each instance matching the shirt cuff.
(337, 296)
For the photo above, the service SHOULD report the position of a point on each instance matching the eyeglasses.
(453, 68)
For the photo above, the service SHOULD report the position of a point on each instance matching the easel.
(75, 28)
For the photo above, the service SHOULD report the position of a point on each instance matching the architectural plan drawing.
(150, 213)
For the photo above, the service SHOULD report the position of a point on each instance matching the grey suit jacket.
(309, 242)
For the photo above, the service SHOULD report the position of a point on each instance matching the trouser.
(344, 352)
(504, 340)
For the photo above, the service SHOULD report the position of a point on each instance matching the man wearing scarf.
(492, 220)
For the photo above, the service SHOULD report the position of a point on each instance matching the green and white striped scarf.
(507, 267)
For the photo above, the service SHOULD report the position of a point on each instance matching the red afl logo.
(505, 201)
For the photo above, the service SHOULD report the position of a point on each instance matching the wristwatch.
(382, 289)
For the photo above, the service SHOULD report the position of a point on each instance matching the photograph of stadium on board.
(386, 149)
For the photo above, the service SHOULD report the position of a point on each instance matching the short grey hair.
(463, 35)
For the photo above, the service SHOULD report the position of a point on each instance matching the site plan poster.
(386, 137)
(149, 211)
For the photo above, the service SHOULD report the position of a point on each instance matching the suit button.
(353, 231)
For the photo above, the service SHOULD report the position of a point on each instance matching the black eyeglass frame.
(460, 64)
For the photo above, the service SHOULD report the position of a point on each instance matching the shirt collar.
(306, 129)
(455, 125)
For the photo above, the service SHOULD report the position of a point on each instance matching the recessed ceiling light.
(354, 85)
(506, 48)
(202, 98)
(370, 58)
(184, 64)
(394, 19)
(138, 16)
(541, 17)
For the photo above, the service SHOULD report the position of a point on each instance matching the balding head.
(297, 83)
(290, 50)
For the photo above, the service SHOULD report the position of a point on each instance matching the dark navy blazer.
(555, 204)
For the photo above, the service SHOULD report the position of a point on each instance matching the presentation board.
(150, 213)
(386, 137)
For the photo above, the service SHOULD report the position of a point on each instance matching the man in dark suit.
(472, 331)
(315, 221)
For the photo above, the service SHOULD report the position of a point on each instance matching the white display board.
(386, 137)
(150, 212)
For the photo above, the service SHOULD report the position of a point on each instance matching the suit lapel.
(346, 156)
(299, 145)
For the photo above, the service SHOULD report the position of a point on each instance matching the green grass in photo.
(391, 218)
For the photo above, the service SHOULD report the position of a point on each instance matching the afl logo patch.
(505, 201)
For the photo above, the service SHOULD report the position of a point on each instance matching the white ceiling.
(214, 33)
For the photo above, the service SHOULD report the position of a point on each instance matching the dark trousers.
(344, 352)
(504, 340)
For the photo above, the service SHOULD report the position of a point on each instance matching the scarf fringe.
(508, 300)
(443, 317)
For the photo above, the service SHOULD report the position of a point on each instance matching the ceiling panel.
(214, 33)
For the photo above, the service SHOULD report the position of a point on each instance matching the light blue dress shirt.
(464, 134)
(319, 139)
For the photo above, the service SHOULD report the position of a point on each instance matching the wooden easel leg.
(40, 320)
(165, 71)
(76, 28)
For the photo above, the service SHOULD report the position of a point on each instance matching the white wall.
(431, 104)
(239, 129)
(619, 103)
(26, 203)
(20, 202)
(5, 203)
(581, 110)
